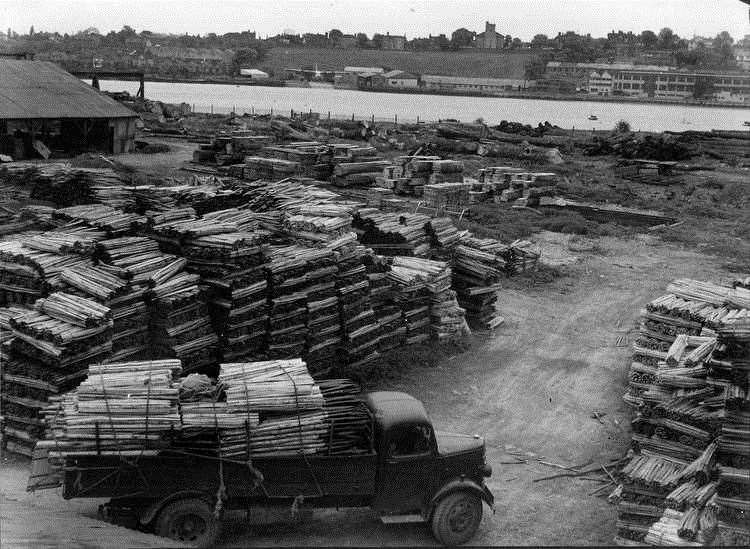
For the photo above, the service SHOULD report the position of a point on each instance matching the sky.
(522, 18)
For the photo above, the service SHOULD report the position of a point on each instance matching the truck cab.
(419, 469)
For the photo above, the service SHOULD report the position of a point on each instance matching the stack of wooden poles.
(48, 354)
(689, 387)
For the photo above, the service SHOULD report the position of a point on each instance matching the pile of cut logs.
(689, 386)
(392, 234)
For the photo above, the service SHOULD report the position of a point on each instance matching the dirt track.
(530, 387)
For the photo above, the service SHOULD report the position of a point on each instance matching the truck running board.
(401, 519)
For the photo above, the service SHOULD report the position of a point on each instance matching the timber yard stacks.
(689, 386)
(266, 271)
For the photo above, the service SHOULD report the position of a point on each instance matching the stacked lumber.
(130, 336)
(358, 174)
(318, 224)
(135, 258)
(416, 174)
(270, 169)
(123, 408)
(478, 265)
(66, 186)
(26, 274)
(730, 365)
(50, 348)
(297, 275)
(232, 266)
(452, 196)
(115, 222)
(392, 234)
(360, 327)
(443, 234)
(180, 324)
(382, 298)
(496, 179)
(690, 393)
(297, 415)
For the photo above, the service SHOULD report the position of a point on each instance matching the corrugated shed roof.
(40, 89)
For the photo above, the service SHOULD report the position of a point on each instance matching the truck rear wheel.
(189, 521)
(456, 518)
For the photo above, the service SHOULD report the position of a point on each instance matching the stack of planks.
(443, 233)
(392, 234)
(122, 409)
(297, 276)
(66, 186)
(48, 354)
(270, 169)
(26, 274)
(232, 266)
(360, 327)
(363, 173)
(130, 336)
(689, 386)
(99, 216)
(387, 311)
(446, 317)
(478, 265)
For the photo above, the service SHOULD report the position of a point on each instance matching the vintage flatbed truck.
(411, 473)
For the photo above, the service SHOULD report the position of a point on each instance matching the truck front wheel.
(456, 518)
(189, 521)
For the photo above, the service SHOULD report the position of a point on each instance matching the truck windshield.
(410, 440)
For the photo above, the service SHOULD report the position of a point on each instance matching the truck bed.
(155, 477)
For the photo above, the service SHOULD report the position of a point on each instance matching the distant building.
(393, 42)
(489, 39)
(600, 83)
(39, 101)
(254, 74)
(400, 80)
(488, 86)
(373, 70)
(742, 53)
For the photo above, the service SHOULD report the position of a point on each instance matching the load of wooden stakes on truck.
(250, 409)
(691, 435)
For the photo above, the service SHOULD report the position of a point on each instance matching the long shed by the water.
(40, 103)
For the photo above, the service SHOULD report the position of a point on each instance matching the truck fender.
(459, 485)
(148, 514)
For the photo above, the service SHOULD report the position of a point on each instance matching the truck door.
(406, 471)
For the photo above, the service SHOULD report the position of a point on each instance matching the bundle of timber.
(297, 275)
(392, 234)
(297, 415)
(442, 232)
(136, 259)
(130, 337)
(238, 303)
(690, 393)
(361, 329)
(497, 178)
(66, 186)
(114, 222)
(452, 196)
(124, 408)
(82, 241)
(358, 174)
(317, 229)
(27, 274)
(47, 356)
(180, 323)
(271, 169)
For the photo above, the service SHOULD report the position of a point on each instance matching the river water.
(407, 107)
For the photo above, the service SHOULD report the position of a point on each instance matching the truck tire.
(456, 518)
(189, 521)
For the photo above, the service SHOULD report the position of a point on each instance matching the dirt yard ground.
(530, 388)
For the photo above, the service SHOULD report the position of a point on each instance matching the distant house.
(254, 74)
(490, 39)
(600, 83)
(697, 41)
(393, 42)
(348, 41)
(400, 80)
